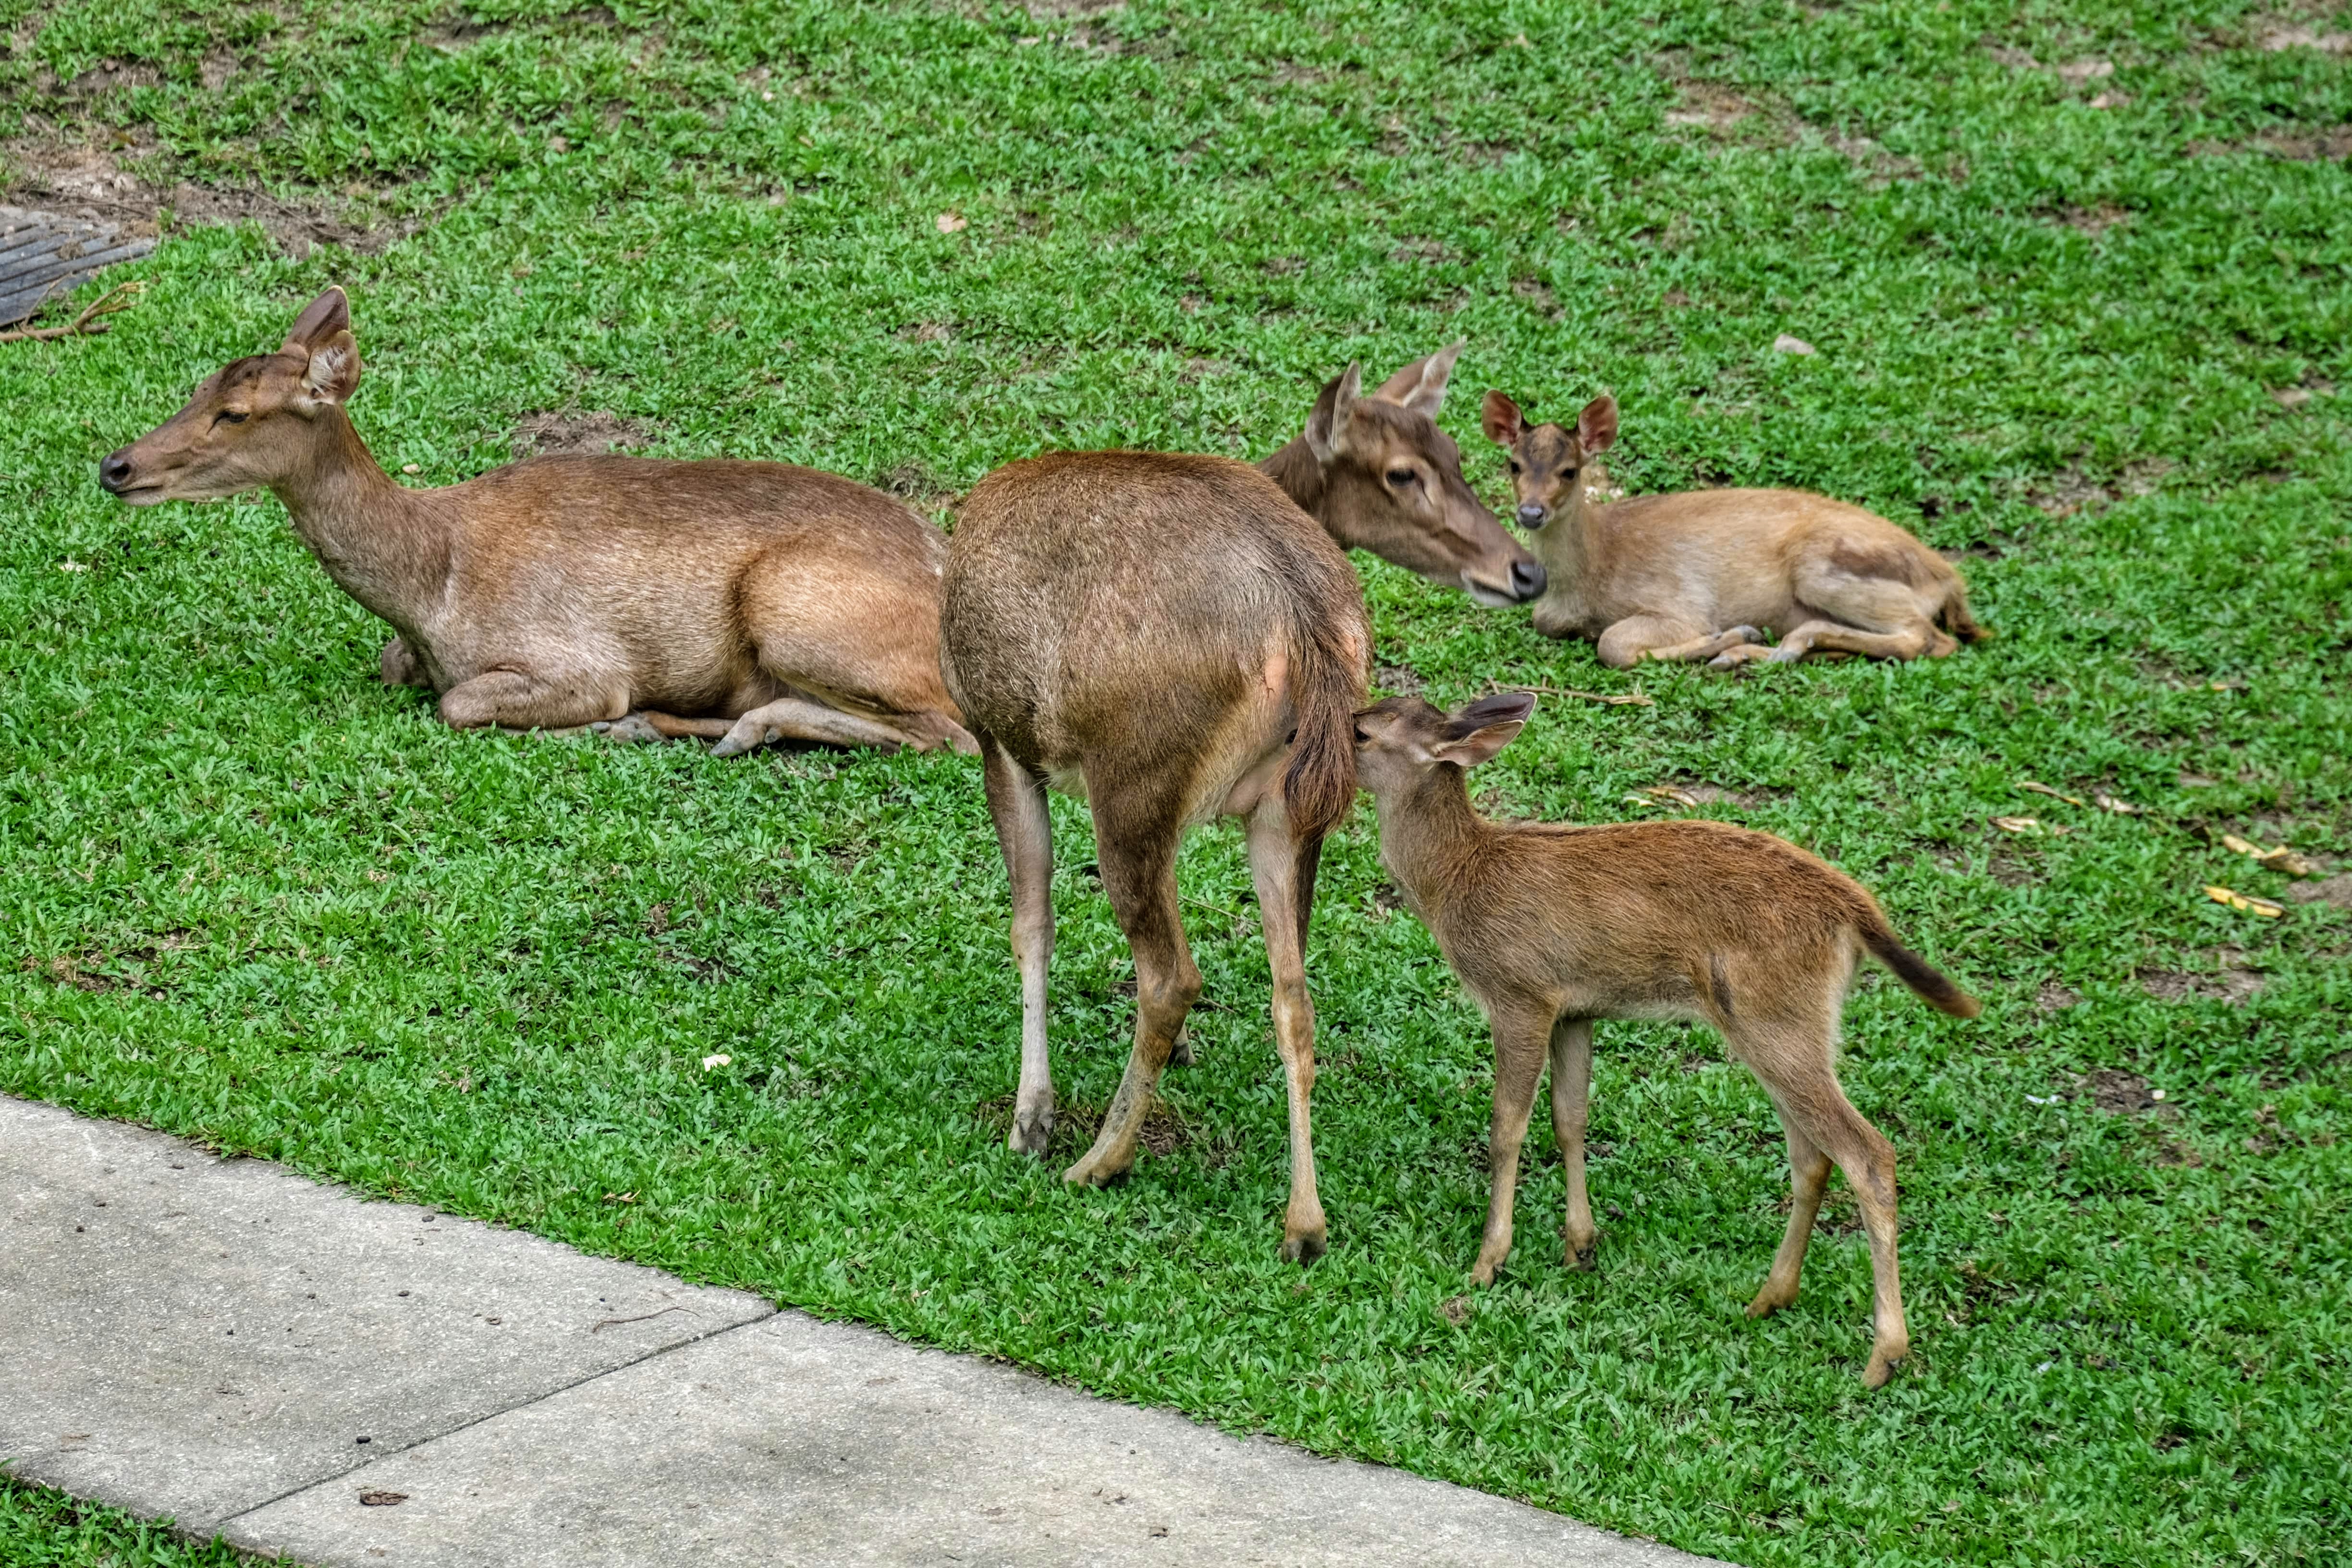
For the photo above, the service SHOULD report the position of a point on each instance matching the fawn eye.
(229, 416)
(1515, 465)
(1400, 477)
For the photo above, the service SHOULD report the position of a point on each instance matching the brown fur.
(1172, 638)
(1705, 573)
(745, 602)
(1379, 475)
(1552, 927)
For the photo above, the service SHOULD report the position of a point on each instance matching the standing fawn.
(1379, 475)
(1171, 639)
(741, 602)
(1702, 574)
(1551, 927)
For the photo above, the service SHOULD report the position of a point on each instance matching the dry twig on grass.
(115, 298)
(1614, 698)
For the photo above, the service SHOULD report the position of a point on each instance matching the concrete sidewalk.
(351, 1381)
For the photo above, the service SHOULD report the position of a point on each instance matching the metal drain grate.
(44, 255)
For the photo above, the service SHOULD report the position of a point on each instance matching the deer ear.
(332, 374)
(1421, 386)
(321, 319)
(1596, 428)
(1499, 417)
(1327, 428)
(1474, 733)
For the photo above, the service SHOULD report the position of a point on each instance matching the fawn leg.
(1135, 832)
(648, 724)
(1520, 1033)
(1808, 1173)
(1880, 618)
(1024, 831)
(1283, 867)
(1696, 649)
(399, 666)
(1629, 641)
(1917, 639)
(1572, 1094)
(515, 701)
(798, 719)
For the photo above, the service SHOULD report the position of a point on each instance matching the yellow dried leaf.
(2035, 788)
(2120, 808)
(2246, 902)
(2289, 862)
(1674, 792)
(2018, 825)
(2232, 842)
(949, 223)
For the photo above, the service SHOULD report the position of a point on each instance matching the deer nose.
(1532, 514)
(114, 472)
(1528, 579)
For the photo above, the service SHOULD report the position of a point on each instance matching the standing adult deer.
(741, 602)
(1379, 475)
(1551, 927)
(1171, 639)
(1705, 573)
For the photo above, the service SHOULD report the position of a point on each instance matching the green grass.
(253, 898)
(41, 1527)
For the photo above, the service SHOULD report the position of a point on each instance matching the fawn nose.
(1526, 579)
(1532, 514)
(114, 472)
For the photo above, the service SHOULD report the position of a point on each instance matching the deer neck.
(385, 545)
(1430, 838)
(1300, 474)
(1570, 548)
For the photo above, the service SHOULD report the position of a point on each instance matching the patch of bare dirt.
(1399, 678)
(2094, 221)
(1710, 105)
(2070, 490)
(142, 197)
(1056, 10)
(1880, 167)
(2120, 1093)
(2331, 145)
(576, 431)
(2277, 37)
(2231, 981)
(928, 332)
(2055, 999)
(2335, 891)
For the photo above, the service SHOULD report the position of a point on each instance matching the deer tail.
(1957, 620)
(1327, 688)
(1932, 984)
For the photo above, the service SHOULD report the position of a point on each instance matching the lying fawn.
(1702, 574)
(1379, 475)
(1551, 927)
(742, 602)
(1171, 639)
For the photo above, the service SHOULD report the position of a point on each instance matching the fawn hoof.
(745, 737)
(632, 726)
(1304, 1247)
(1581, 1257)
(1482, 1273)
(1179, 1054)
(1738, 654)
(1097, 1169)
(1032, 1131)
(1784, 654)
(1883, 1364)
(1769, 1300)
(1746, 634)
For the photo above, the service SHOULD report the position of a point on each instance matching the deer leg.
(1629, 641)
(1024, 831)
(1283, 867)
(798, 719)
(1697, 648)
(646, 724)
(1135, 846)
(1809, 1175)
(1795, 1058)
(514, 701)
(1913, 641)
(1521, 1034)
(1571, 1093)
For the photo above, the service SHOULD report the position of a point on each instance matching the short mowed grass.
(2080, 279)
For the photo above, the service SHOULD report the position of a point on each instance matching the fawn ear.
(1596, 428)
(1474, 733)
(1327, 428)
(321, 319)
(1500, 418)
(332, 374)
(1421, 386)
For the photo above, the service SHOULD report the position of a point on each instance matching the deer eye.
(1400, 477)
(1515, 465)
(230, 416)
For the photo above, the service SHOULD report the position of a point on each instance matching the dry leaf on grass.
(2291, 862)
(2030, 785)
(1674, 793)
(1785, 344)
(949, 223)
(1612, 698)
(2248, 903)
(2120, 808)
(2028, 825)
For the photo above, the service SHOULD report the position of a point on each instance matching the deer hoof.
(631, 728)
(1303, 1248)
(1881, 1366)
(1784, 654)
(742, 739)
(1769, 1300)
(1097, 1170)
(1581, 1257)
(1179, 1054)
(1032, 1131)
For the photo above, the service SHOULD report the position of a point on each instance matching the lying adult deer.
(1551, 927)
(1170, 638)
(1704, 575)
(1379, 475)
(741, 602)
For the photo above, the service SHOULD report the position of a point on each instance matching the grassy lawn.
(2079, 273)
(41, 1527)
